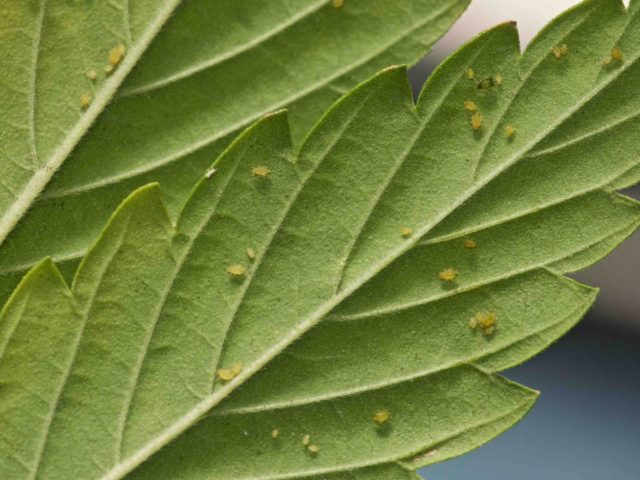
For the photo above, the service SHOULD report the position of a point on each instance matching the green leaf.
(153, 311)
(200, 73)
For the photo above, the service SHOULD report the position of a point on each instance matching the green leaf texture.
(340, 313)
(201, 71)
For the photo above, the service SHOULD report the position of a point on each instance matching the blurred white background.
(618, 276)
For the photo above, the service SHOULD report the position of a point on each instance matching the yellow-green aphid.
(509, 131)
(260, 171)
(497, 80)
(337, 3)
(406, 232)
(470, 73)
(471, 106)
(237, 270)
(92, 75)
(210, 173)
(313, 449)
(116, 54)
(616, 54)
(489, 330)
(85, 100)
(560, 50)
(251, 254)
(486, 320)
(227, 374)
(274, 433)
(473, 322)
(486, 84)
(476, 121)
(448, 275)
(306, 440)
(469, 243)
(382, 416)
(108, 69)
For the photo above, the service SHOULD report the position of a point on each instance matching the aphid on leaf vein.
(616, 54)
(260, 171)
(469, 243)
(306, 440)
(509, 131)
(108, 69)
(470, 73)
(337, 3)
(476, 121)
(210, 173)
(406, 232)
(227, 374)
(274, 433)
(237, 270)
(251, 254)
(448, 275)
(471, 106)
(486, 84)
(116, 54)
(313, 449)
(85, 100)
(560, 50)
(382, 416)
(92, 74)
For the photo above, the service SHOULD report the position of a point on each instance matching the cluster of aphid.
(476, 115)
(116, 54)
(486, 321)
(381, 417)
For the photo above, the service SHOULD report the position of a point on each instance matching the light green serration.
(200, 72)
(339, 314)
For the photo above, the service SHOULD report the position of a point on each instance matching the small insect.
(251, 254)
(560, 50)
(85, 100)
(497, 79)
(116, 54)
(92, 74)
(210, 173)
(306, 440)
(486, 84)
(337, 3)
(227, 374)
(486, 321)
(313, 449)
(406, 232)
(616, 54)
(471, 106)
(108, 69)
(509, 131)
(448, 275)
(260, 171)
(470, 73)
(476, 121)
(274, 433)
(237, 270)
(382, 416)
(469, 243)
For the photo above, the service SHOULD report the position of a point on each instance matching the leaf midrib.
(44, 172)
